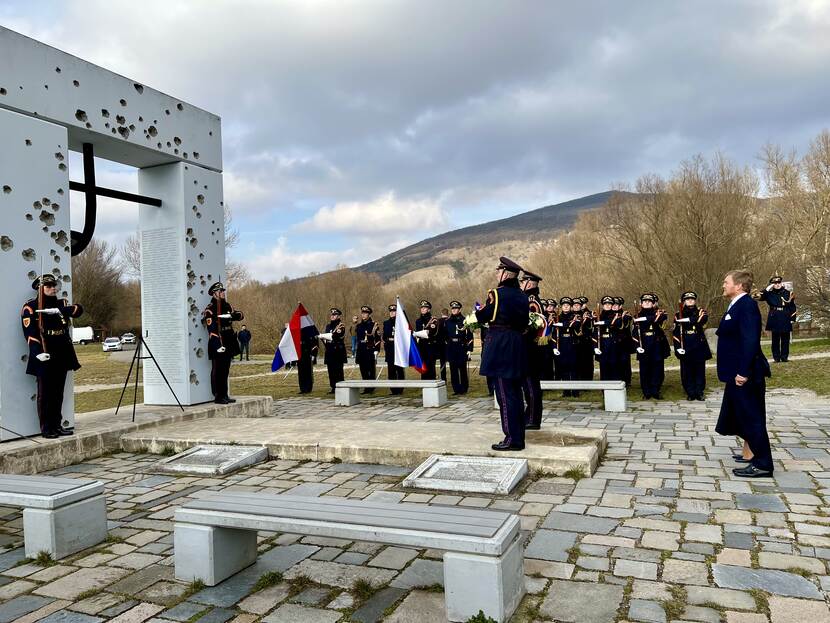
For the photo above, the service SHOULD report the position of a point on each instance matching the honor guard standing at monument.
(625, 341)
(394, 373)
(604, 338)
(781, 316)
(585, 343)
(459, 344)
(222, 341)
(651, 344)
(368, 345)
(504, 358)
(309, 346)
(335, 340)
(568, 329)
(427, 337)
(531, 388)
(45, 321)
(690, 345)
(548, 360)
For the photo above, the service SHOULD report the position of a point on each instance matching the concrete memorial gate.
(50, 103)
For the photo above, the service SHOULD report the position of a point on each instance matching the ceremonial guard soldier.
(309, 345)
(625, 341)
(690, 345)
(427, 330)
(491, 387)
(459, 345)
(335, 356)
(394, 373)
(531, 388)
(45, 321)
(568, 329)
(605, 340)
(368, 345)
(651, 344)
(781, 316)
(222, 342)
(585, 343)
(548, 360)
(504, 358)
(441, 345)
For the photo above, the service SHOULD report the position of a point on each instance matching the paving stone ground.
(662, 532)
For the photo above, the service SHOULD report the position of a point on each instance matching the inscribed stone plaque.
(474, 474)
(212, 460)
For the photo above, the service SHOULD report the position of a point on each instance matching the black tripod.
(137, 357)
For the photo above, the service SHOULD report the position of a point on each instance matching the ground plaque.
(473, 474)
(212, 460)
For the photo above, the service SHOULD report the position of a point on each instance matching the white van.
(82, 335)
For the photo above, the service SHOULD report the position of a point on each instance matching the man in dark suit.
(743, 368)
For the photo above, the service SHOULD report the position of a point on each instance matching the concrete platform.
(99, 432)
(407, 443)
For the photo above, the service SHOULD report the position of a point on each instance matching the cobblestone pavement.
(662, 532)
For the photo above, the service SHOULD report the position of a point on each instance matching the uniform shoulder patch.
(26, 322)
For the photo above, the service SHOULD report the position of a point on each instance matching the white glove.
(50, 310)
(326, 337)
(224, 316)
(376, 355)
(423, 333)
(556, 351)
(597, 351)
(558, 324)
(640, 319)
(681, 351)
(599, 323)
(221, 349)
(682, 320)
(768, 288)
(44, 357)
(641, 350)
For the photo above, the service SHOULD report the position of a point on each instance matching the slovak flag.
(406, 351)
(301, 326)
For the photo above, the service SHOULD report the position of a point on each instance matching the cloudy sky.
(353, 128)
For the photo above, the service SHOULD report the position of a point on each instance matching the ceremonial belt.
(649, 333)
(690, 332)
(55, 332)
(778, 308)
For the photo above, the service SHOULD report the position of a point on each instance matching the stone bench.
(61, 516)
(614, 391)
(347, 393)
(215, 537)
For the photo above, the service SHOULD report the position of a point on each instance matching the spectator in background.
(244, 337)
(353, 335)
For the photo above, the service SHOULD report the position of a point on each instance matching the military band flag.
(301, 326)
(406, 351)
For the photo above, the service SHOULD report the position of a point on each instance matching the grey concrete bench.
(614, 391)
(61, 516)
(215, 537)
(347, 393)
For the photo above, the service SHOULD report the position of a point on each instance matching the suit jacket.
(739, 343)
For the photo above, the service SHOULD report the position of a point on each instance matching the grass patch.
(44, 559)
(362, 590)
(675, 606)
(480, 618)
(166, 451)
(194, 587)
(761, 600)
(299, 584)
(87, 594)
(575, 473)
(432, 588)
(271, 578)
(336, 460)
(112, 538)
(574, 553)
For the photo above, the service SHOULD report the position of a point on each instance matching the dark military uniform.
(531, 388)
(368, 345)
(568, 330)
(606, 341)
(690, 346)
(222, 343)
(47, 335)
(625, 341)
(504, 357)
(335, 356)
(651, 339)
(548, 360)
(780, 318)
(394, 373)
(428, 347)
(459, 343)
(585, 344)
(309, 345)
(491, 385)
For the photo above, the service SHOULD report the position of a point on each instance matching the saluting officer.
(781, 316)
(652, 345)
(585, 343)
(51, 354)
(503, 357)
(459, 345)
(625, 342)
(568, 329)
(548, 360)
(368, 345)
(605, 340)
(394, 373)
(222, 343)
(531, 388)
(427, 338)
(690, 345)
(335, 339)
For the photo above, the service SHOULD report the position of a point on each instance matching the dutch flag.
(406, 352)
(300, 326)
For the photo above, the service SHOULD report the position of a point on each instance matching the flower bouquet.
(471, 322)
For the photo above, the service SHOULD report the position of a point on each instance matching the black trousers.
(367, 371)
(244, 348)
(50, 387)
(395, 373)
(693, 377)
(305, 374)
(459, 377)
(219, 370)
(652, 374)
(532, 391)
(335, 373)
(624, 367)
(442, 366)
(429, 375)
(745, 406)
(780, 345)
(566, 371)
(509, 397)
(609, 370)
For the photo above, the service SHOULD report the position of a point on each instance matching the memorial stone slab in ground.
(212, 460)
(475, 474)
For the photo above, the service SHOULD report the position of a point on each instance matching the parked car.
(82, 335)
(128, 338)
(112, 343)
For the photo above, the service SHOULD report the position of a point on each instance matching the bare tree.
(96, 282)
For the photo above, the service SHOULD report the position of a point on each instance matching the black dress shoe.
(533, 426)
(739, 458)
(221, 401)
(701, 398)
(750, 471)
(504, 447)
(65, 432)
(229, 399)
(331, 391)
(50, 435)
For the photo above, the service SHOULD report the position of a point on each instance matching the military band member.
(427, 329)
(585, 343)
(459, 345)
(45, 321)
(368, 345)
(503, 356)
(652, 345)
(605, 340)
(531, 388)
(568, 330)
(309, 346)
(548, 360)
(335, 356)
(394, 373)
(222, 342)
(441, 346)
(625, 342)
(690, 345)
(780, 318)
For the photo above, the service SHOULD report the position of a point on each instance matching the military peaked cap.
(45, 280)
(216, 287)
(607, 300)
(455, 305)
(509, 265)
(689, 295)
(426, 303)
(652, 298)
(529, 276)
(392, 308)
(366, 309)
(335, 312)
(566, 300)
(776, 279)
(620, 300)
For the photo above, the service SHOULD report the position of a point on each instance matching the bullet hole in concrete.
(59, 156)
(212, 222)
(132, 127)
(3, 91)
(32, 275)
(67, 249)
(194, 242)
(57, 70)
(45, 228)
(217, 242)
(195, 209)
(28, 142)
(179, 106)
(139, 88)
(120, 120)
(200, 199)
(56, 272)
(46, 201)
(184, 154)
(76, 83)
(200, 352)
(177, 140)
(194, 181)
(198, 215)
(168, 144)
(141, 119)
(29, 217)
(158, 145)
(60, 191)
(53, 235)
(33, 397)
(194, 380)
(52, 252)
(107, 124)
(166, 111)
(196, 155)
(6, 243)
(210, 276)
(221, 203)
(56, 207)
(61, 238)
(105, 113)
(46, 86)
(201, 256)
(122, 102)
(66, 278)
(210, 133)
(113, 130)
(80, 115)
(36, 205)
(124, 132)
(7, 189)
(189, 231)
(62, 166)
(29, 255)
(24, 358)
(176, 151)
(88, 125)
